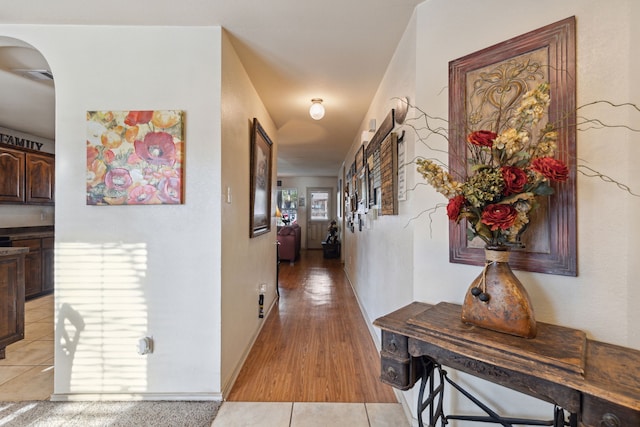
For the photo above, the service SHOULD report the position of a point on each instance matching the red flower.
(138, 117)
(499, 216)
(482, 138)
(118, 179)
(108, 156)
(454, 207)
(158, 148)
(551, 168)
(169, 190)
(514, 180)
(141, 195)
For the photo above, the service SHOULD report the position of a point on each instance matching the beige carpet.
(108, 414)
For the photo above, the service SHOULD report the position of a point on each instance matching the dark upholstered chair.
(289, 238)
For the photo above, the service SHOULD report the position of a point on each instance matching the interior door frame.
(330, 208)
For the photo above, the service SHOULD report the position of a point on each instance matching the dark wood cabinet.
(12, 167)
(40, 178)
(32, 266)
(38, 265)
(11, 298)
(27, 177)
(47, 264)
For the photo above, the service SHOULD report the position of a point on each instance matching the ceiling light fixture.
(316, 111)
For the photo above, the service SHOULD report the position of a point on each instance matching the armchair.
(289, 238)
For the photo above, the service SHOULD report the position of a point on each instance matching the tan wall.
(246, 262)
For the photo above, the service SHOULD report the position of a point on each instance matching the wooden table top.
(557, 354)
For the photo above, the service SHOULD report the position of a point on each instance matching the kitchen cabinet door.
(40, 178)
(12, 301)
(12, 164)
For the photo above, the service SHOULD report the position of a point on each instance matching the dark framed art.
(484, 85)
(260, 180)
(389, 175)
(360, 159)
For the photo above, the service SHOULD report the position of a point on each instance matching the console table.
(591, 383)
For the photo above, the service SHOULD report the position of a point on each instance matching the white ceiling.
(293, 50)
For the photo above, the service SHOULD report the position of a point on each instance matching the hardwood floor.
(315, 345)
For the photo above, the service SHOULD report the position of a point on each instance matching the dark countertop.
(34, 235)
(13, 251)
(17, 233)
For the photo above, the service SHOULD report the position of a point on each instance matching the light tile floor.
(308, 414)
(27, 371)
(27, 374)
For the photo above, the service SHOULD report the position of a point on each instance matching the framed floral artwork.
(260, 178)
(135, 157)
(486, 89)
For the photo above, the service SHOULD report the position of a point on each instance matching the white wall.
(596, 300)
(632, 247)
(602, 299)
(123, 272)
(379, 259)
(246, 262)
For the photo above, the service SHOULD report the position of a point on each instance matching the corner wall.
(601, 299)
(597, 300)
(124, 272)
(379, 259)
(246, 262)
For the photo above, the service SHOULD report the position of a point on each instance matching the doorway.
(318, 215)
(28, 125)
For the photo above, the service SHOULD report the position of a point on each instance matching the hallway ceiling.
(293, 51)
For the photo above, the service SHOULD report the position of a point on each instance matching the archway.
(27, 123)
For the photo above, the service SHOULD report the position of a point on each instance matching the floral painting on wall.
(135, 157)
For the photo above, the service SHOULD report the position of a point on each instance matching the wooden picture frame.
(360, 159)
(548, 53)
(261, 167)
(389, 175)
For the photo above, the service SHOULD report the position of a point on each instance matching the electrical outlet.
(263, 288)
(145, 345)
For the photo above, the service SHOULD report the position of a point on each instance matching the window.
(287, 200)
(319, 206)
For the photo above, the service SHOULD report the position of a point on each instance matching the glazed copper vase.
(497, 300)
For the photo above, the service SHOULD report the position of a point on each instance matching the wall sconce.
(316, 111)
